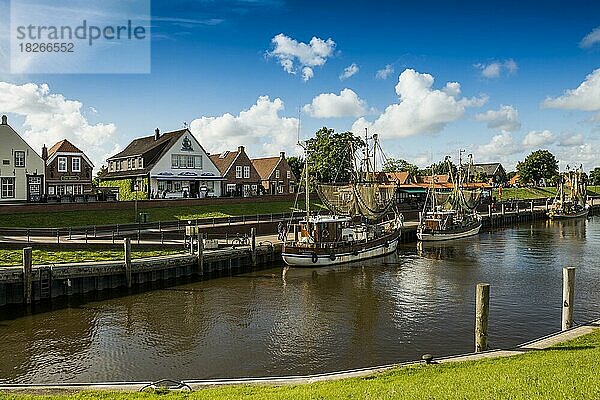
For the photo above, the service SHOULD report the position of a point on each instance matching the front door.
(34, 188)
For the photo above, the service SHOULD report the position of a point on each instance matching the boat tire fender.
(332, 256)
(314, 258)
(355, 253)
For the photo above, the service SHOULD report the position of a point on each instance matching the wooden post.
(482, 312)
(27, 272)
(503, 209)
(127, 248)
(253, 245)
(532, 206)
(547, 208)
(568, 295)
(295, 232)
(200, 245)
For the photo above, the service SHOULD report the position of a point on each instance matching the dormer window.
(76, 164)
(19, 159)
(62, 164)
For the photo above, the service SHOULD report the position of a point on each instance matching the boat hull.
(314, 259)
(579, 214)
(441, 236)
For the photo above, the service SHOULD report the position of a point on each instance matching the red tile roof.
(63, 146)
(265, 166)
(224, 160)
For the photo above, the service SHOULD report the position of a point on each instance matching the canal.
(314, 320)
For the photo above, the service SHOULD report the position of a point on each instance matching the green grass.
(536, 193)
(568, 371)
(43, 257)
(62, 219)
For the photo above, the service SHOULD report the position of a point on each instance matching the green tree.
(330, 155)
(399, 165)
(441, 168)
(296, 165)
(96, 181)
(594, 177)
(540, 164)
(480, 176)
(510, 175)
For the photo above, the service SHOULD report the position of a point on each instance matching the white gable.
(186, 146)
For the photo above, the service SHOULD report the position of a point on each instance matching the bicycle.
(242, 240)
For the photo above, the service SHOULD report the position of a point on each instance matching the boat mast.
(306, 190)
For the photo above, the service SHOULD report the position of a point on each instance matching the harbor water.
(299, 321)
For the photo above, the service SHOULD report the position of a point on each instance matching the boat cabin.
(329, 229)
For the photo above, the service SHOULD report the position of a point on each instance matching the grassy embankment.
(536, 193)
(567, 371)
(43, 257)
(50, 219)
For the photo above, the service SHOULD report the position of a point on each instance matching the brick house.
(68, 170)
(275, 174)
(241, 178)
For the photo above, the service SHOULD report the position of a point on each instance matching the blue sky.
(513, 62)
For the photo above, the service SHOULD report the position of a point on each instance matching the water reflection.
(295, 321)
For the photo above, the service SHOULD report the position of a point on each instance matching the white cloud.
(260, 128)
(590, 39)
(421, 109)
(49, 118)
(294, 55)
(350, 70)
(495, 68)
(385, 72)
(569, 140)
(500, 146)
(331, 105)
(539, 138)
(586, 154)
(506, 119)
(585, 97)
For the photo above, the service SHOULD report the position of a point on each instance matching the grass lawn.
(41, 257)
(62, 219)
(594, 190)
(536, 192)
(568, 371)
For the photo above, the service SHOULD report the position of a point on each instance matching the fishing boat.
(450, 214)
(361, 221)
(571, 204)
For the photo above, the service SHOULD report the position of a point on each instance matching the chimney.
(156, 134)
(4, 120)
(282, 155)
(45, 153)
(240, 149)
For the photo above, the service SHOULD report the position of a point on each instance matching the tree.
(331, 155)
(442, 167)
(540, 164)
(480, 176)
(96, 181)
(594, 177)
(399, 165)
(510, 175)
(296, 165)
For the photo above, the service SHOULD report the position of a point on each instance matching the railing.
(143, 231)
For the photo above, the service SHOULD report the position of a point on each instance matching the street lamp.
(135, 189)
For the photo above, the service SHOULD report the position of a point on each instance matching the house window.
(8, 188)
(246, 172)
(291, 187)
(19, 158)
(190, 161)
(174, 161)
(198, 162)
(161, 186)
(129, 166)
(230, 187)
(50, 190)
(62, 164)
(140, 162)
(5, 162)
(60, 190)
(254, 188)
(247, 190)
(280, 188)
(177, 186)
(76, 164)
(289, 174)
(276, 174)
(78, 189)
(238, 171)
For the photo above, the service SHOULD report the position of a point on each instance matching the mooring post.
(532, 207)
(503, 211)
(127, 248)
(547, 201)
(482, 312)
(568, 295)
(295, 232)
(200, 245)
(27, 272)
(253, 245)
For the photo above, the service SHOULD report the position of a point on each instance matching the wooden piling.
(127, 248)
(253, 245)
(200, 245)
(27, 272)
(482, 312)
(568, 295)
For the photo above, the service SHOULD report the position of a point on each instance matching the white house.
(168, 165)
(21, 168)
